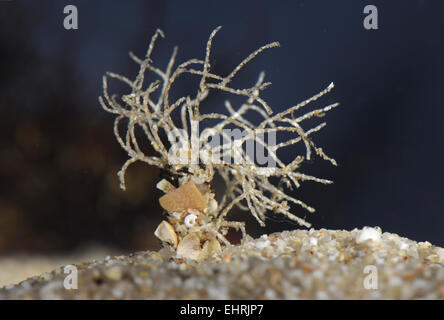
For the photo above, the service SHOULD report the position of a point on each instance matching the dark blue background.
(386, 135)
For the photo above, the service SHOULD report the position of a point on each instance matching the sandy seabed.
(301, 264)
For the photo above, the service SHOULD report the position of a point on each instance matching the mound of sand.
(302, 264)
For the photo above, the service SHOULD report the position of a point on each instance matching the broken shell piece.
(165, 186)
(210, 247)
(189, 247)
(166, 233)
(187, 196)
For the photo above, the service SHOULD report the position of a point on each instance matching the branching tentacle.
(248, 183)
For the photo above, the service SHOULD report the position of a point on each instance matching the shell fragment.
(166, 233)
(187, 196)
(165, 186)
(189, 247)
(210, 247)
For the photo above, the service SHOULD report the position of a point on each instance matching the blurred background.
(59, 191)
